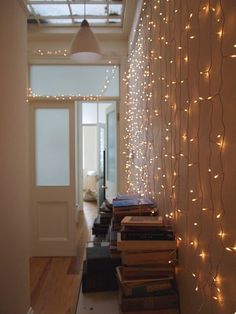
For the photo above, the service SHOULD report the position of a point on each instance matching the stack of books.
(127, 205)
(102, 221)
(133, 207)
(147, 276)
(99, 269)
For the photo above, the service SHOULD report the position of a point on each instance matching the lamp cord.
(84, 9)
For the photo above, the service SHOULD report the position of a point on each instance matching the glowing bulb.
(221, 234)
(202, 255)
(220, 33)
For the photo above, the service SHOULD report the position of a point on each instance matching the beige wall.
(181, 123)
(14, 260)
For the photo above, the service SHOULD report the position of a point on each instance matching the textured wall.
(180, 138)
(14, 163)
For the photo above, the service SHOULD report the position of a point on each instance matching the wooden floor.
(55, 281)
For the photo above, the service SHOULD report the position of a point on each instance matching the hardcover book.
(148, 245)
(142, 221)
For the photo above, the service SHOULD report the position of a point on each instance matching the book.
(141, 280)
(132, 202)
(160, 311)
(142, 221)
(147, 272)
(125, 196)
(159, 302)
(119, 215)
(134, 211)
(125, 202)
(130, 258)
(142, 245)
(147, 235)
(146, 289)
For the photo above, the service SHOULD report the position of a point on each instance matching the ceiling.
(59, 19)
(52, 25)
(71, 12)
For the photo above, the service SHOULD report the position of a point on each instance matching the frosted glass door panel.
(52, 141)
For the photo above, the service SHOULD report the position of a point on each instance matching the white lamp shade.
(84, 47)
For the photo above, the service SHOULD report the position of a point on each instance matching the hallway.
(55, 281)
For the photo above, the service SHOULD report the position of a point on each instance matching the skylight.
(69, 12)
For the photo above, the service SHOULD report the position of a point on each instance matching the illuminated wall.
(14, 162)
(181, 138)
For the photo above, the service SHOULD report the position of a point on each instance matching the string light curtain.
(180, 138)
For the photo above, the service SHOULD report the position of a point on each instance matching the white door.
(111, 152)
(53, 179)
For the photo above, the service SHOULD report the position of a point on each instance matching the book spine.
(147, 236)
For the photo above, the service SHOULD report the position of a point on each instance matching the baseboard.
(31, 311)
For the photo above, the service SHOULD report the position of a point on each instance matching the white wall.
(14, 189)
(90, 147)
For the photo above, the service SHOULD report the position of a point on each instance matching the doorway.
(97, 150)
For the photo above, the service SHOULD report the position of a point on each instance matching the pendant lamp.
(84, 47)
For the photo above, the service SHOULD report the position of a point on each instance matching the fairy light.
(188, 154)
(202, 255)
(51, 53)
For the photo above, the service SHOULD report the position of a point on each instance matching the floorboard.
(55, 281)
